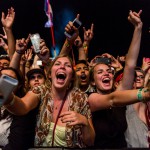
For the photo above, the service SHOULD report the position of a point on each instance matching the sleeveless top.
(136, 133)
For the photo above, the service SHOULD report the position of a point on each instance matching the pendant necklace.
(57, 106)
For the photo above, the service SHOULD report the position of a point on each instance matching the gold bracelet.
(11, 102)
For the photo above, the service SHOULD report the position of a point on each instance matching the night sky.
(112, 31)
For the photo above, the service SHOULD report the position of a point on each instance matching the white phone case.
(7, 85)
(35, 40)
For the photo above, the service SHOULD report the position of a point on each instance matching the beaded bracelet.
(139, 94)
(67, 44)
(85, 46)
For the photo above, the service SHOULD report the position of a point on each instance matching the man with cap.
(35, 77)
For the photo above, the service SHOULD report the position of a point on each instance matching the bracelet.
(85, 46)
(111, 103)
(67, 44)
(27, 64)
(11, 103)
(139, 94)
(20, 52)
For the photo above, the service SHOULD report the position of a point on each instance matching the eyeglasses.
(141, 77)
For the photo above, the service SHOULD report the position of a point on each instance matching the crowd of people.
(71, 103)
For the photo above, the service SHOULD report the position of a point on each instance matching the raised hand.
(114, 62)
(21, 46)
(135, 19)
(44, 51)
(28, 54)
(5, 35)
(7, 21)
(88, 34)
(2, 42)
(71, 28)
(146, 64)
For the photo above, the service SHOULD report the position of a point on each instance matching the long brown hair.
(73, 73)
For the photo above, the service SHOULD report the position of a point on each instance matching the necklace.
(56, 106)
(56, 103)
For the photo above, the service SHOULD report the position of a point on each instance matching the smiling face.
(103, 78)
(61, 73)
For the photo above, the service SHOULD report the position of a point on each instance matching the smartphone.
(103, 60)
(77, 23)
(7, 85)
(35, 40)
(147, 59)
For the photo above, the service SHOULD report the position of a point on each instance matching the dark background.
(112, 31)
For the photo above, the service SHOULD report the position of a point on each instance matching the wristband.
(20, 52)
(139, 94)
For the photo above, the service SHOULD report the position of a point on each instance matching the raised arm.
(81, 52)
(133, 52)
(21, 46)
(88, 36)
(84, 46)
(118, 98)
(7, 23)
(67, 46)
